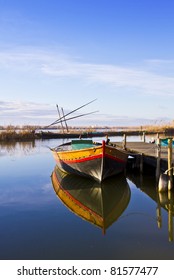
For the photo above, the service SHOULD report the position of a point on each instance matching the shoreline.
(31, 135)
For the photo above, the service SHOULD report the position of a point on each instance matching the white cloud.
(20, 113)
(13, 112)
(143, 80)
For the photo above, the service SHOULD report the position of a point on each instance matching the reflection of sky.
(25, 176)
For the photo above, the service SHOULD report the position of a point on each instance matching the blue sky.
(69, 52)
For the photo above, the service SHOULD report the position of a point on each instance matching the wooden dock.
(146, 154)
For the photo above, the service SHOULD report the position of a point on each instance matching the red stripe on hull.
(115, 158)
(93, 158)
(82, 159)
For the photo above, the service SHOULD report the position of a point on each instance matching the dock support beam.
(170, 183)
(166, 179)
(158, 155)
(124, 141)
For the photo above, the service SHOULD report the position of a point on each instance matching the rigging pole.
(60, 117)
(64, 119)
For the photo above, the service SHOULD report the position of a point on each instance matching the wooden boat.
(98, 203)
(164, 142)
(87, 158)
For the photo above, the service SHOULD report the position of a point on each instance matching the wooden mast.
(60, 117)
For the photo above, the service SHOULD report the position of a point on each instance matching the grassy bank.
(11, 133)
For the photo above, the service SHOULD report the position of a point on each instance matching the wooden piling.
(158, 156)
(124, 141)
(170, 173)
(144, 136)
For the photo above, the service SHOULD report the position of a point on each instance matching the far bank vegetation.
(14, 133)
(27, 132)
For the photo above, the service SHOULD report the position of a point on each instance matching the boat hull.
(98, 162)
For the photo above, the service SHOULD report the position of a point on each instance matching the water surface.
(36, 224)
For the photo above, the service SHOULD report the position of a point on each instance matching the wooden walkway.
(144, 148)
(149, 153)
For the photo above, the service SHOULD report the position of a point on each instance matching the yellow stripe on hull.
(79, 154)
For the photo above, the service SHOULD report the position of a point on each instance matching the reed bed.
(27, 133)
(13, 135)
(158, 128)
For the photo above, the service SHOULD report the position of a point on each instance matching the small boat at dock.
(90, 159)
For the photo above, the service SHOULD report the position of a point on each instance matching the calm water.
(35, 224)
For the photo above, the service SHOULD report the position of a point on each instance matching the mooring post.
(124, 141)
(144, 136)
(158, 155)
(170, 183)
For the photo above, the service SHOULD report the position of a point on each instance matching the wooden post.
(158, 155)
(124, 141)
(144, 136)
(170, 183)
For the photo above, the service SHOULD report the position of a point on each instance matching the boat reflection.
(164, 200)
(98, 203)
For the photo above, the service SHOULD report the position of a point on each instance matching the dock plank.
(149, 152)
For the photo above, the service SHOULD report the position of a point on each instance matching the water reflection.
(98, 203)
(11, 148)
(164, 200)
